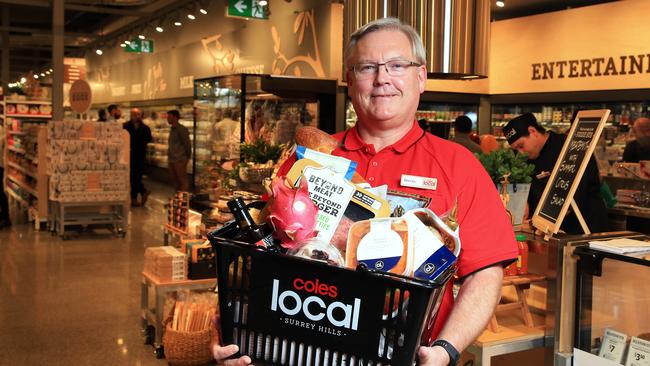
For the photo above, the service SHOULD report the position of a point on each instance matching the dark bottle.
(249, 231)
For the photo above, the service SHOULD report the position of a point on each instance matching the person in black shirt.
(543, 148)
(140, 136)
(638, 149)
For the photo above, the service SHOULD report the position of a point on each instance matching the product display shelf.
(152, 314)
(26, 180)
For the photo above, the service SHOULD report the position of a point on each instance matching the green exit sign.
(247, 9)
(140, 45)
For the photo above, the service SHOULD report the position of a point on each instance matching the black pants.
(4, 205)
(137, 170)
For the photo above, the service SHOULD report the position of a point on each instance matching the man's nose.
(382, 76)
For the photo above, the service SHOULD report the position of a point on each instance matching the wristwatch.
(454, 356)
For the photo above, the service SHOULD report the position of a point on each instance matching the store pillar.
(5, 49)
(57, 59)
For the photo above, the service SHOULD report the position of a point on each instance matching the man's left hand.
(433, 356)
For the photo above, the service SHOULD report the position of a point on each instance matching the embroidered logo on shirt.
(414, 181)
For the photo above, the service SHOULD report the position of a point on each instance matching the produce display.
(88, 161)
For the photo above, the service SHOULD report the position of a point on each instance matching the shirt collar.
(352, 140)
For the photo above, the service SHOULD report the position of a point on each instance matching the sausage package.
(383, 244)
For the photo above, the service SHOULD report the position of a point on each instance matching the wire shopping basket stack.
(284, 310)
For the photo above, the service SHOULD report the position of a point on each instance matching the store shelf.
(17, 150)
(31, 102)
(19, 133)
(22, 170)
(28, 116)
(23, 186)
(17, 197)
(33, 158)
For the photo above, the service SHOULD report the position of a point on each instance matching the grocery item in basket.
(381, 244)
(315, 139)
(291, 213)
(340, 202)
(249, 231)
(431, 257)
(336, 163)
(319, 250)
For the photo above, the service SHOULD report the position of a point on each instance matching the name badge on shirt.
(414, 181)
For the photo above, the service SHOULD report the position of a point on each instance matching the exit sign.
(140, 45)
(247, 9)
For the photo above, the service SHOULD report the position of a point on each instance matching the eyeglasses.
(367, 70)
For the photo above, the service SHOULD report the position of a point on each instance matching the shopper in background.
(140, 136)
(638, 149)
(114, 113)
(179, 151)
(462, 129)
(101, 115)
(4, 205)
(543, 148)
(386, 74)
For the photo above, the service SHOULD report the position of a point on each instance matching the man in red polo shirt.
(386, 75)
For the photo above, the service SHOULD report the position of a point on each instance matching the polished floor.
(76, 302)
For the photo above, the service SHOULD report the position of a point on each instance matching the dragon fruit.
(292, 213)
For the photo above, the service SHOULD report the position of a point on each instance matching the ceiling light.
(159, 29)
(42, 74)
(178, 23)
(191, 16)
(501, 4)
(141, 36)
(127, 42)
(51, 70)
(23, 80)
(99, 52)
(204, 12)
(263, 2)
(35, 76)
(47, 72)
(122, 45)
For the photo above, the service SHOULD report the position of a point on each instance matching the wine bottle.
(249, 231)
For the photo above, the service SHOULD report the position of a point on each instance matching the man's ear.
(422, 78)
(532, 131)
(348, 79)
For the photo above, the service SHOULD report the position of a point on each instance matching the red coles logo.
(315, 287)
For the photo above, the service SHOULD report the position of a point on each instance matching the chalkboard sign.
(567, 173)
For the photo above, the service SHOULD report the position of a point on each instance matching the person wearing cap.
(386, 73)
(639, 148)
(543, 148)
(462, 129)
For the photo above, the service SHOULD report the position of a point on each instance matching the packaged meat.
(319, 250)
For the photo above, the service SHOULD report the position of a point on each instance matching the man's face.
(171, 118)
(136, 115)
(530, 145)
(382, 98)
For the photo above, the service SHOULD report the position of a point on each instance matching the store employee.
(543, 147)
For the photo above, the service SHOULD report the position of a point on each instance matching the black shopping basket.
(284, 310)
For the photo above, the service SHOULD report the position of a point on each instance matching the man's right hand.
(221, 353)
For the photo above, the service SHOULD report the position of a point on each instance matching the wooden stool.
(520, 283)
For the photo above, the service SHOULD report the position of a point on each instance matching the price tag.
(639, 353)
(613, 346)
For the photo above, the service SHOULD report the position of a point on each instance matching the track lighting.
(99, 52)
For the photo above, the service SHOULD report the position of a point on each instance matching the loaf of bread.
(315, 139)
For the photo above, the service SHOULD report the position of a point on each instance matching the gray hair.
(388, 24)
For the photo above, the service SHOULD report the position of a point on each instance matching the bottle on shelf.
(249, 231)
(522, 259)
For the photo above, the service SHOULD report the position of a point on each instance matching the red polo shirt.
(486, 235)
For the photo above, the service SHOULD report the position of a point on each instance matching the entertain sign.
(591, 67)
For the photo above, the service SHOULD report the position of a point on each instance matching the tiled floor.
(76, 302)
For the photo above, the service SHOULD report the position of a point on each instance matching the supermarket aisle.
(76, 302)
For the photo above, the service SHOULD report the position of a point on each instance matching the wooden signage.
(567, 173)
(80, 96)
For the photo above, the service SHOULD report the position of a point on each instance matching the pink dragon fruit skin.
(292, 213)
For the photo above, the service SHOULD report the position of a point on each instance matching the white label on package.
(613, 346)
(331, 193)
(381, 248)
(639, 353)
(336, 163)
(414, 181)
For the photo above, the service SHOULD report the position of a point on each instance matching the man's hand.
(221, 353)
(433, 356)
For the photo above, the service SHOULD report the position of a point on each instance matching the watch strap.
(453, 353)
